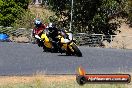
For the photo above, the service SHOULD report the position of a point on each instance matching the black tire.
(68, 54)
(76, 50)
(45, 49)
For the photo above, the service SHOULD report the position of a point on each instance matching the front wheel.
(76, 50)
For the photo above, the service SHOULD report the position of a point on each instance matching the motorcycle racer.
(38, 30)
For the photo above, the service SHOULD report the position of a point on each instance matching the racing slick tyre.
(76, 50)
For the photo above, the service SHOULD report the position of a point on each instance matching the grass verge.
(42, 81)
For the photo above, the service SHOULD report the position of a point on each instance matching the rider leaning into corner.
(53, 31)
(52, 34)
(38, 30)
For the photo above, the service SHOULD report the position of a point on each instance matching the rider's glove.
(36, 36)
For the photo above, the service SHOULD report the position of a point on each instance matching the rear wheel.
(76, 50)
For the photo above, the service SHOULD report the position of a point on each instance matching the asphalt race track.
(28, 59)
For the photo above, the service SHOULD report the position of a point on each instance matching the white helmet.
(50, 25)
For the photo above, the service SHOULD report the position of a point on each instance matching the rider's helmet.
(37, 22)
(50, 25)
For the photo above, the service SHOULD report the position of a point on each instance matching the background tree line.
(92, 16)
(11, 10)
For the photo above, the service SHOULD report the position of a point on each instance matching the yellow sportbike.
(65, 43)
(47, 44)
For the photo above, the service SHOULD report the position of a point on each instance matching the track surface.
(27, 59)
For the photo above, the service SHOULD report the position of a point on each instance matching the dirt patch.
(41, 12)
(20, 39)
(122, 40)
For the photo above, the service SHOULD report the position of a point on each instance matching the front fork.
(70, 46)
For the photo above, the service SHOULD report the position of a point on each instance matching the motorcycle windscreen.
(70, 36)
(46, 41)
(43, 36)
(64, 40)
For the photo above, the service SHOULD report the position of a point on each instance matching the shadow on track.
(68, 55)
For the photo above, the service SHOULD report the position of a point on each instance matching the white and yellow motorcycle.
(65, 44)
